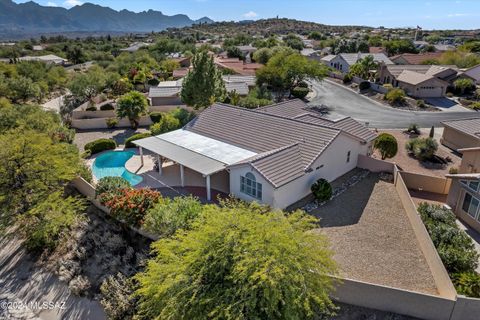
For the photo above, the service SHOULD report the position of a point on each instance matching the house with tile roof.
(415, 58)
(344, 61)
(462, 133)
(271, 155)
(419, 81)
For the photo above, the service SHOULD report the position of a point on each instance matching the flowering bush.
(130, 205)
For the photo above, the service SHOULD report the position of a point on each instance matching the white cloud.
(51, 4)
(72, 3)
(458, 15)
(250, 14)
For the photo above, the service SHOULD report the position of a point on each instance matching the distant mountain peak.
(30, 17)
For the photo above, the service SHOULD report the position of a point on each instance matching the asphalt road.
(342, 101)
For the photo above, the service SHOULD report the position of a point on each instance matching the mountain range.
(30, 17)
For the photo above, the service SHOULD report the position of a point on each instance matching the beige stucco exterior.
(432, 88)
(330, 165)
(470, 161)
(455, 139)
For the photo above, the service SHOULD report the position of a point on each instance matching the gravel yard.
(372, 237)
(118, 134)
(408, 163)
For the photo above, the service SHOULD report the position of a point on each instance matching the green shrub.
(387, 145)
(322, 190)
(413, 128)
(475, 106)
(388, 86)
(91, 108)
(182, 115)
(100, 145)
(300, 92)
(422, 148)
(364, 85)
(109, 186)
(467, 283)
(118, 299)
(138, 136)
(464, 85)
(153, 82)
(347, 78)
(395, 96)
(453, 170)
(454, 246)
(107, 106)
(166, 124)
(156, 116)
(111, 122)
(167, 216)
(50, 220)
(421, 104)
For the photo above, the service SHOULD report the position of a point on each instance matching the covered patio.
(187, 160)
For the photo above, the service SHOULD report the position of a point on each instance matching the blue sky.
(432, 14)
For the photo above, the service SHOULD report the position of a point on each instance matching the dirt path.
(22, 282)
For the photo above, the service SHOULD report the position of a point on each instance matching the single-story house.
(419, 85)
(48, 59)
(415, 58)
(420, 81)
(180, 73)
(472, 73)
(237, 66)
(250, 81)
(134, 47)
(167, 93)
(240, 88)
(461, 134)
(271, 155)
(377, 50)
(343, 61)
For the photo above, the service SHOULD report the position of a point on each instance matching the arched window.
(250, 186)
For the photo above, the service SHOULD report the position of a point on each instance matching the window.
(348, 156)
(250, 186)
(471, 205)
(473, 185)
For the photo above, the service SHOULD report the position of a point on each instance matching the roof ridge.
(460, 119)
(277, 116)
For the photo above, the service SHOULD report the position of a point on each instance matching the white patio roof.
(197, 152)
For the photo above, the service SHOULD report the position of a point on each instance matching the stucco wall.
(334, 162)
(101, 123)
(415, 181)
(267, 188)
(439, 273)
(466, 309)
(470, 162)
(166, 101)
(395, 300)
(457, 140)
(374, 165)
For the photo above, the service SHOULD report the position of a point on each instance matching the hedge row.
(100, 145)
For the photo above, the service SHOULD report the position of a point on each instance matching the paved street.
(345, 102)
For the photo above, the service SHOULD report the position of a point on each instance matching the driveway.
(343, 101)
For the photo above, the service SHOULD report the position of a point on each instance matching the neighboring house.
(247, 51)
(134, 47)
(419, 85)
(444, 47)
(464, 194)
(271, 155)
(237, 66)
(419, 81)
(184, 62)
(377, 50)
(327, 60)
(167, 93)
(344, 61)
(414, 58)
(461, 134)
(48, 59)
(240, 88)
(180, 73)
(250, 81)
(472, 73)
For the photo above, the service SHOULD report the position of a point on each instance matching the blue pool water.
(112, 164)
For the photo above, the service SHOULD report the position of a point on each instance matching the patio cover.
(199, 153)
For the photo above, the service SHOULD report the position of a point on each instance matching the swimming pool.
(112, 164)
